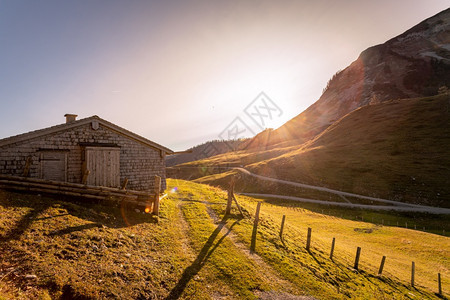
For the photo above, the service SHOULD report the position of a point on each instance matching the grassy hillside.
(86, 251)
(204, 150)
(398, 150)
(54, 249)
(223, 162)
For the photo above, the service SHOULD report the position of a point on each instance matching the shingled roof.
(77, 123)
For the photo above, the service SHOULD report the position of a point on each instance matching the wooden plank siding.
(104, 166)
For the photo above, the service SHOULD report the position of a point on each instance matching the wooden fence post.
(439, 284)
(85, 177)
(230, 196)
(332, 248)
(308, 239)
(156, 191)
(258, 208)
(238, 206)
(26, 170)
(124, 184)
(380, 271)
(413, 270)
(358, 253)
(282, 227)
(255, 228)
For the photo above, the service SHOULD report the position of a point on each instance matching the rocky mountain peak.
(413, 64)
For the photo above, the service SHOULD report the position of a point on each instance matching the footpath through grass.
(53, 249)
(316, 274)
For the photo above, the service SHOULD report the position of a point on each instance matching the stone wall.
(138, 162)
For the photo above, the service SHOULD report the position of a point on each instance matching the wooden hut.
(90, 151)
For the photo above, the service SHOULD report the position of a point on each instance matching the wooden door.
(54, 165)
(103, 164)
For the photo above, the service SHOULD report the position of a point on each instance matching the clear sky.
(179, 72)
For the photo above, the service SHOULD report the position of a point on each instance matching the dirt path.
(270, 274)
(427, 209)
(185, 242)
(289, 290)
(398, 206)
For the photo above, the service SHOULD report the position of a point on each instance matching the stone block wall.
(138, 162)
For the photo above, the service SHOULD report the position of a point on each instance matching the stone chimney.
(70, 118)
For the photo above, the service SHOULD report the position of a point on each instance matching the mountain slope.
(397, 150)
(413, 64)
(204, 150)
(387, 148)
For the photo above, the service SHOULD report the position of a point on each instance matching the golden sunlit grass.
(89, 251)
(316, 274)
(216, 164)
(396, 150)
(86, 250)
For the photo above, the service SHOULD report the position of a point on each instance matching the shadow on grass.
(207, 250)
(314, 257)
(25, 222)
(375, 280)
(253, 241)
(107, 215)
(74, 229)
(434, 223)
(52, 217)
(199, 201)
